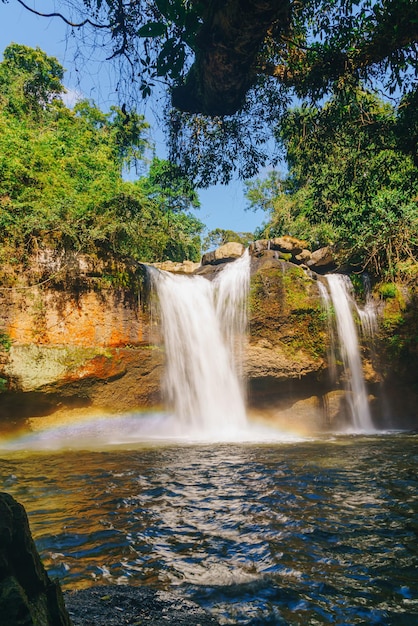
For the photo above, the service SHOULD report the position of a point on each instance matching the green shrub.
(5, 342)
(388, 290)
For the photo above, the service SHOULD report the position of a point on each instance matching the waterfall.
(340, 288)
(367, 313)
(203, 325)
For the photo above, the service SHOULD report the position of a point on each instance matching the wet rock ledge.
(28, 597)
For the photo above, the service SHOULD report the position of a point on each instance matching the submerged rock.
(113, 605)
(28, 597)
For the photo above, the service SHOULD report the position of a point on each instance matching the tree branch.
(395, 31)
(62, 17)
(227, 47)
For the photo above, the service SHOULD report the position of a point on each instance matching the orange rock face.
(93, 318)
(80, 341)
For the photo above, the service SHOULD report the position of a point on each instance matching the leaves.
(152, 29)
(61, 182)
(348, 183)
(171, 59)
(29, 80)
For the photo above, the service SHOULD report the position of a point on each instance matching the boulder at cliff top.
(27, 595)
(322, 258)
(286, 245)
(185, 267)
(228, 252)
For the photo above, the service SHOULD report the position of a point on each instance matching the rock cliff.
(81, 337)
(79, 333)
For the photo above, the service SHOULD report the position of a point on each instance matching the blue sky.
(221, 206)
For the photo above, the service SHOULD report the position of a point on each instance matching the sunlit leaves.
(61, 181)
(348, 184)
(29, 79)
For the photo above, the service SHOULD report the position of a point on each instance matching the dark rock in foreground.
(28, 597)
(113, 605)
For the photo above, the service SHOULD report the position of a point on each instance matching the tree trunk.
(228, 44)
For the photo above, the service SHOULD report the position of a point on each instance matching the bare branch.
(62, 17)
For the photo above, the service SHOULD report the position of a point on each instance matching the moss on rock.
(285, 310)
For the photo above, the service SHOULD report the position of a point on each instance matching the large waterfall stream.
(204, 326)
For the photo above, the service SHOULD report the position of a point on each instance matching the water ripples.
(312, 533)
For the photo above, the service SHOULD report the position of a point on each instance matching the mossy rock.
(285, 308)
(398, 333)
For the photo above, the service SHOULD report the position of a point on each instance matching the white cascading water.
(367, 313)
(340, 288)
(203, 324)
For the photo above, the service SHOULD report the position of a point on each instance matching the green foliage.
(349, 184)
(220, 236)
(263, 193)
(319, 42)
(29, 80)
(5, 342)
(388, 290)
(169, 188)
(61, 180)
(407, 124)
(309, 48)
(211, 149)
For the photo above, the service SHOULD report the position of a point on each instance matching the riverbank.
(118, 605)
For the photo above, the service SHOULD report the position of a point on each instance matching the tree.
(61, 181)
(232, 67)
(29, 79)
(167, 185)
(348, 183)
(220, 236)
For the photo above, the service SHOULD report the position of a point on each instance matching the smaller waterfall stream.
(340, 291)
(203, 325)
